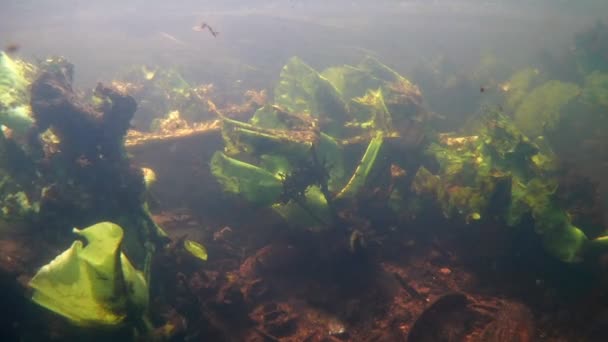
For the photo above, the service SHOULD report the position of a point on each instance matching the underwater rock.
(447, 319)
(513, 323)
(275, 319)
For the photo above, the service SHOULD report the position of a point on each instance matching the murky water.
(303, 170)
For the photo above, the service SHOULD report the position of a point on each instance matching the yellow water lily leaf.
(92, 284)
(196, 249)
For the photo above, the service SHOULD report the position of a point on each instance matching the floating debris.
(204, 26)
(445, 271)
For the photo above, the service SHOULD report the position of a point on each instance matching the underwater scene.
(293, 170)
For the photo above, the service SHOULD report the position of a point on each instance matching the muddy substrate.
(264, 281)
(430, 282)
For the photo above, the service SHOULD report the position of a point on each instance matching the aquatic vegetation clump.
(255, 184)
(162, 91)
(73, 170)
(371, 80)
(595, 91)
(500, 174)
(93, 284)
(519, 85)
(543, 108)
(591, 49)
(322, 140)
(302, 90)
(15, 78)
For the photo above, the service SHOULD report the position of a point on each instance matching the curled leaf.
(196, 249)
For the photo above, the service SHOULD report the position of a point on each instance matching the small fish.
(203, 26)
(482, 89)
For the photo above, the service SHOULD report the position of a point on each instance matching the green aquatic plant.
(362, 172)
(17, 206)
(371, 111)
(310, 209)
(595, 91)
(320, 142)
(160, 91)
(542, 109)
(255, 184)
(15, 78)
(537, 198)
(400, 97)
(93, 284)
(301, 89)
(519, 85)
(501, 174)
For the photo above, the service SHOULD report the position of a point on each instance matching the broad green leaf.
(359, 178)
(312, 211)
(92, 284)
(253, 183)
(301, 89)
